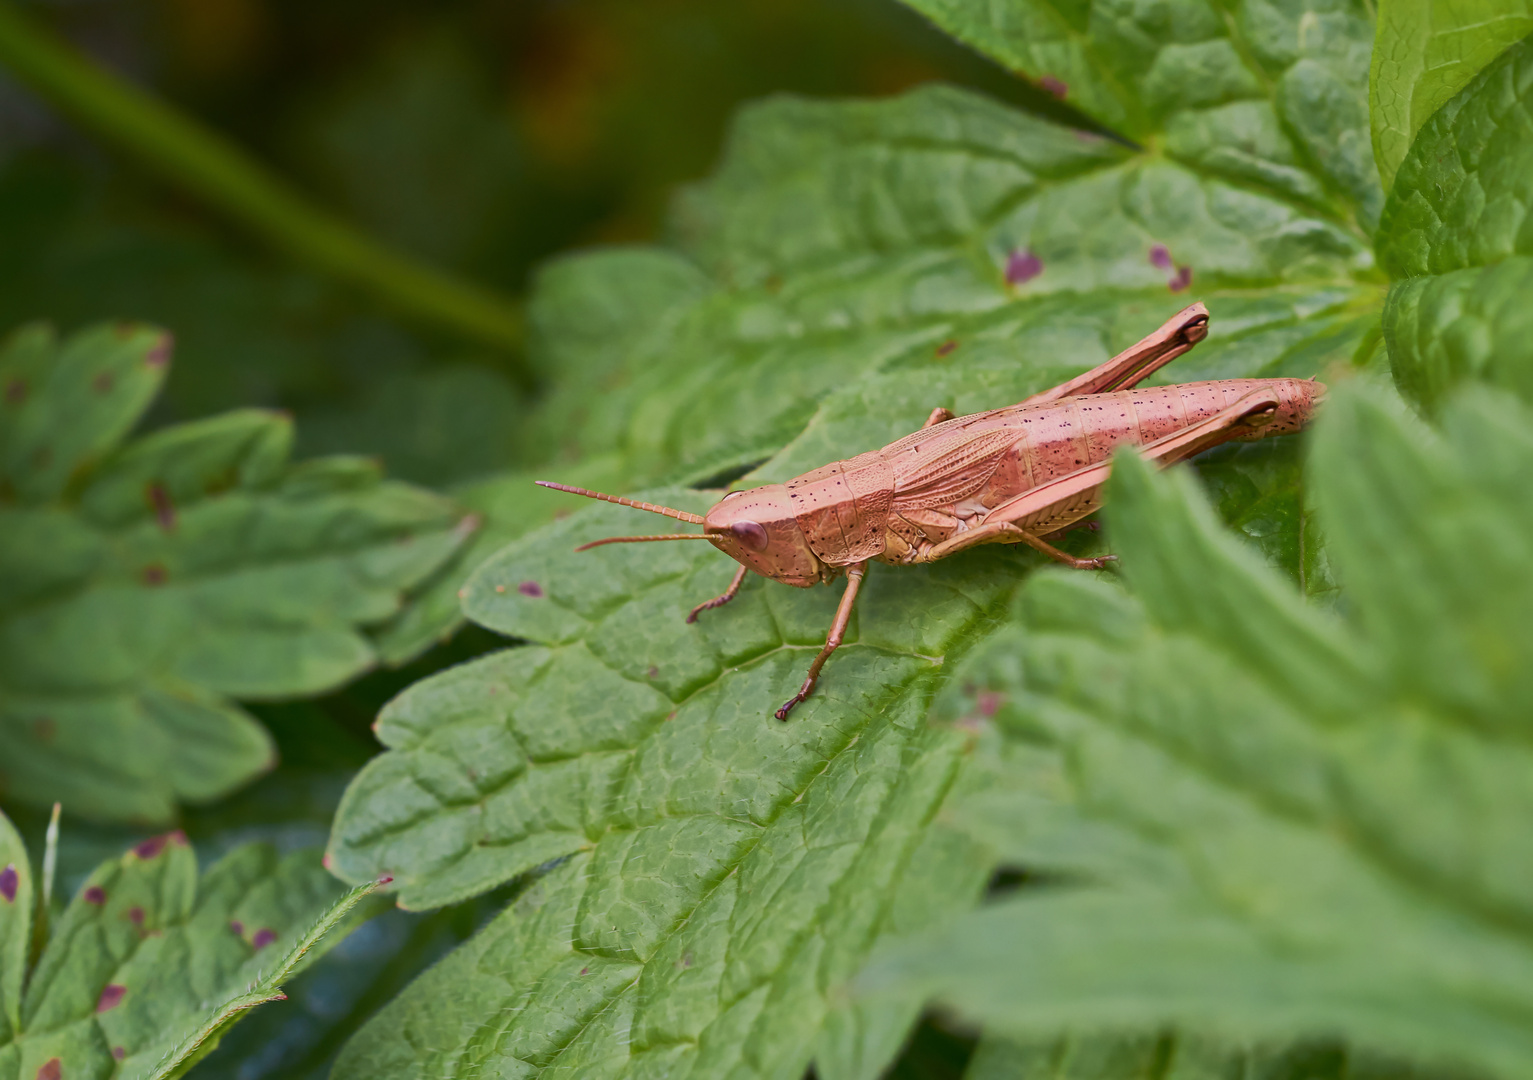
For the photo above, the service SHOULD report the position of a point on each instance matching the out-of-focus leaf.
(141, 582)
(1264, 820)
(1172, 1057)
(1423, 54)
(15, 927)
(149, 965)
(1457, 229)
(1268, 96)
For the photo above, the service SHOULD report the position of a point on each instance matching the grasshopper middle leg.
(854, 575)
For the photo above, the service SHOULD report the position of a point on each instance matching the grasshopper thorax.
(757, 528)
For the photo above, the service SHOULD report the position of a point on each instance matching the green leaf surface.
(149, 964)
(1261, 93)
(142, 583)
(721, 860)
(1265, 820)
(1461, 197)
(1457, 230)
(1424, 54)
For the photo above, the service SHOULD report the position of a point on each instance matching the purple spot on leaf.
(119, 1052)
(1160, 257)
(136, 916)
(237, 926)
(946, 347)
(530, 588)
(1022, 266)
(164, 509)
(154, 574)
(159, 353)
(1182, 280)
(584, 970)
(1054, 86)
(148, 849)
(95, 895)
(9, 882)
(102, 382)
(653, 671)
(15, 392)
(263, 937)
(52, 1069)
(111, 997)
(990, 702)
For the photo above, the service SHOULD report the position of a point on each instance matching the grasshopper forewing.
(1008, 476)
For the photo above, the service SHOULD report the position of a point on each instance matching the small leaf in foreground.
(149, 964)
(1265, 820)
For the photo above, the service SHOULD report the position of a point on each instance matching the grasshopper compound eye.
(750, 534)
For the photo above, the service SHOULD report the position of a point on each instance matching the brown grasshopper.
(1008, 476)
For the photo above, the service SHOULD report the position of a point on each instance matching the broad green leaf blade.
(1235, 853)
(64, 404)
(728, 869)
(1273, 97)
(1462, 194)
(148, 963)
(16, 903)
(1423, 54)
(175, 570)
(1464, 326)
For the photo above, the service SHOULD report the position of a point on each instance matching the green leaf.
(15, 926)
(144, 582)
(149, 964)
(1423, 55)
(1456, 227)
(1461, 196)
(722, 860)
(1264, 95)
(1264, 820)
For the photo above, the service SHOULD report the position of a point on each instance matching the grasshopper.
(1008, 476)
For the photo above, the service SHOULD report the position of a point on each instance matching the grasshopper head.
(757, 528)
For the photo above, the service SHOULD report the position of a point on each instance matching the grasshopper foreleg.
(854, 575)
(719, 601)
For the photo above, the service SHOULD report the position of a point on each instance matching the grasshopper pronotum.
(1007, 476)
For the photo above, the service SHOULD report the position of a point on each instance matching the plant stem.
(221, 174)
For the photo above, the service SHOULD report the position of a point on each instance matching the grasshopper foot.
(1098, 563)
(787, 706)
(706, 605)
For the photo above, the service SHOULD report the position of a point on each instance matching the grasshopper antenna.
(641, 539)
(679, 515)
